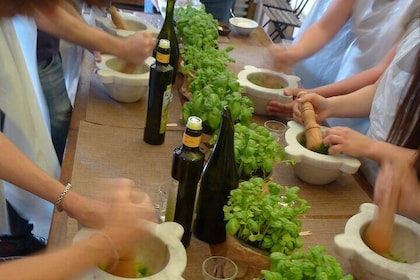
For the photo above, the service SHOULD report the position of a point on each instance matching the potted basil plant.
(262, 217)
(256, 151)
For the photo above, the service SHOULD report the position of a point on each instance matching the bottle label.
(167, 99)
(162, 57)
(191, 141)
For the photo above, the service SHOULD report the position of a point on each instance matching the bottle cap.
(195, 123)
(164, 43)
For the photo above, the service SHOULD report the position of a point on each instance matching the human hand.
(278, 109)
(129, 217)
(348, 141)
(138, 47)
(283, 57)
(92, 213)
(404, 182)
(320, 104)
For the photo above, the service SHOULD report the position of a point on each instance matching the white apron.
(391, 91)
(27, 122)
(376, 24)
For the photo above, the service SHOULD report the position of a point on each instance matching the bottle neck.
(169, 14)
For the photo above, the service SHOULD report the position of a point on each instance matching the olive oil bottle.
(168, 32)
(187, 165)
(160, 95)
(219, 177)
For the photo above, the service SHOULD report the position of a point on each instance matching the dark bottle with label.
(168, 32)
(187, 165)
(219, 177)
(160, 95)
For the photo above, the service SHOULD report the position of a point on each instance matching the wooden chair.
(282, 15)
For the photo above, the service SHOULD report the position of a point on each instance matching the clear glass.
(219, 268)
(163, 193)
(276, 129)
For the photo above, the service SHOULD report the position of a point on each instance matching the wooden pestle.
(117, 19)
(313, 132)
(378, 234)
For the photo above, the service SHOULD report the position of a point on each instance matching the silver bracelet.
(60, 198)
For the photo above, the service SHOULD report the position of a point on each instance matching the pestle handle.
(117, 19)
(313, 132)
(125, 268)
(378, 234)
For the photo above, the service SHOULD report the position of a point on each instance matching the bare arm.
(93, 252)
(359, 80)
(64, 24)
(315, 37)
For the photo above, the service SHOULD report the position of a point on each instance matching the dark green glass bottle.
(187, 165)
(160, 95)
(168, 32)
(219, 177)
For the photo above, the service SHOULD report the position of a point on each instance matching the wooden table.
(106, 140)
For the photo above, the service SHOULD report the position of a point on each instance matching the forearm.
(354, 105)
(67, 263)
(358, 81)
(383, 152)
(351, 84)
(64, 25)
(35, 180)
(322, 31)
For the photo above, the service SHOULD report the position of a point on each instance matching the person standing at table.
(392, 104)
(21, 98)
(376, 25)
(220, 9)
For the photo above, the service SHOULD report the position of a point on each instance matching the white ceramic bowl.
(120, 86)
(133, 22)
(163, 254)
(243, 26)
(368, 265)
(263, 85)
(312, 167)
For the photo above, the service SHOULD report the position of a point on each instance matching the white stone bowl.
(164, 254)
(312, 167)
(368, 265)
(243, 26)
(133, 22)
(120, 86)
(262, 85)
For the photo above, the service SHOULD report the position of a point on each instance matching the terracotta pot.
(250, 261)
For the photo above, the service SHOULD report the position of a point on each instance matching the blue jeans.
(54, 88)
(148, 7)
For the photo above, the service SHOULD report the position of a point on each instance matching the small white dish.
(243, 26)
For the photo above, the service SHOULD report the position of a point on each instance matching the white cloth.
(376, 24)
(391, 91)
(27, 122)
(322, 68)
